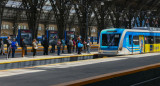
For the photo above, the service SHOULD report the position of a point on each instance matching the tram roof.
(137, 29)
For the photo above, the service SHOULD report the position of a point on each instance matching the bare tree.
(33, 12)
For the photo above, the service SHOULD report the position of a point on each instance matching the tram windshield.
(110, 39)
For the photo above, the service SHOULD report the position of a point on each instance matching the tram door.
(135, 44)
(141, 43)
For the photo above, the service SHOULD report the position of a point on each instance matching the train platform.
(40, 59)
(83, 72)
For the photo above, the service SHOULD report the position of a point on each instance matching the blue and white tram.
(119, 41)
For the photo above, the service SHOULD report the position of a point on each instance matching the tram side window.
(136, 40)
(157, 38)
(149, 40)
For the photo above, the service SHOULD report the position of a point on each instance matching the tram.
(118, 41)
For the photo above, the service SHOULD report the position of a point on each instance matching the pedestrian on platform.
(45, 44)
(84, 45)
(2, 47)
(63, 45)
(70, 45)
(88, 45)
(74, 44)
(8, 46)
(58, 46)
(14, 47)
(80, 45)
(54, 42)
(23, 46)
(34, 47)
(67, 43)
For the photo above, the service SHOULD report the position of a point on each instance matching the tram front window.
(110, 39)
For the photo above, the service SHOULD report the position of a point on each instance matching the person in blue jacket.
(79, 47)
(14, 47)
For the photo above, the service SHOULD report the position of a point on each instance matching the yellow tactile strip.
(94, 79)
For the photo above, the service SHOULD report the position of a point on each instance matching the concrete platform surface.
(49, 75)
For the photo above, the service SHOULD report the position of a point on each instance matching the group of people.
(73, 45)
(11, 46)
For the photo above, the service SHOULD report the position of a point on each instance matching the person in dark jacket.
(58, 46)
(54, 42)
(67, 43)
(9, 46)
(45, 44)
(24, 46)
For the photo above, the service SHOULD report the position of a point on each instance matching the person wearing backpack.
(80, 45)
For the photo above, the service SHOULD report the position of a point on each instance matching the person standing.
(2, 47)
(34, 47)
(79, 47)
(74, 45)
(8, 46)
(58, 46)
(67, 43)
(63, 45)
(70, 45)
(54, 42)
(84, 43)
(45, 44)
(88, 45)
(14, 47)
(24, 46)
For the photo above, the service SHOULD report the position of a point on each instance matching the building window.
(24, 27)
(39, 28)
(19, 27)
(51, 28)
(4, 27)
(7, 26)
